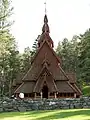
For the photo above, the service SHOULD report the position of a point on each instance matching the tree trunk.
(10, 88)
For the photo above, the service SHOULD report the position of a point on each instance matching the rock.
(1, 110)
(4, 102)
(22, 109)
(71, 106)
(52, 103)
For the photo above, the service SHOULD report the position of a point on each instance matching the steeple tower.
(45, 28)
(45, 33)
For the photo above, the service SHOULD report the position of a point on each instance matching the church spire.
(45, 28)
(45, 32)
(45, 8)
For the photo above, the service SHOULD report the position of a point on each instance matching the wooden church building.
(46, 78)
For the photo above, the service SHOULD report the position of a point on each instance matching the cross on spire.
(45, 7)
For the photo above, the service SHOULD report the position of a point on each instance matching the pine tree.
(84, 56)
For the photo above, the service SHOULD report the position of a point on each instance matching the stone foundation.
(13, 105)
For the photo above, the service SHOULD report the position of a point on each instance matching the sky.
(65, 18)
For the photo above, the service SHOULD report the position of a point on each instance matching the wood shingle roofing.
(64, 87)
(25, 87)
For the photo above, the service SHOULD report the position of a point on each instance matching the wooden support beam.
(41, 95)
(74, 95)
(55, 95)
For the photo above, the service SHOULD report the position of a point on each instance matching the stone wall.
(13, 105)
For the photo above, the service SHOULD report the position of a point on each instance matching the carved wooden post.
(41, 95)
(74, 95)
(55, 95)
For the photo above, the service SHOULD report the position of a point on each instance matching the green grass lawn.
(75, 114)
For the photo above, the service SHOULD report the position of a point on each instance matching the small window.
(64, 94)
(72, 95)
(68, 94)
(51, 94)
(61, 94)
(31, 94)
(38, 94)
(26, 95)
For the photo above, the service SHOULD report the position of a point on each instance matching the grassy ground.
(75, 114)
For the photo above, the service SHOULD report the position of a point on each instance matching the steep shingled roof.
(64, 87)
(25, 87)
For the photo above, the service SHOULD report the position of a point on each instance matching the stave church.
(46, 78)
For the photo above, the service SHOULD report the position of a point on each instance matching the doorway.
(45, 91)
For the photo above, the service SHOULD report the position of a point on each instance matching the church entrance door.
(45, 91)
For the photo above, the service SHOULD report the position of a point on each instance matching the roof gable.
(46, 42)
(43, 77)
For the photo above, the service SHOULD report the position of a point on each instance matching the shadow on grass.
(61, 114)
(47, 115)
(14, 114)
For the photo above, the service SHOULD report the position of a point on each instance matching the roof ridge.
(71, 86)
(19, 87)
(27, 72)
(63, 72)
(78, 89)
